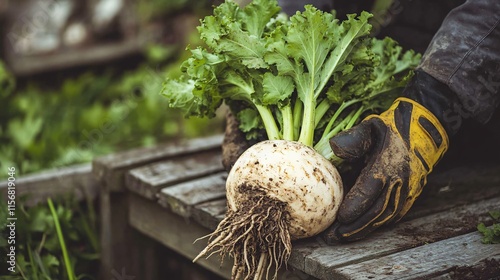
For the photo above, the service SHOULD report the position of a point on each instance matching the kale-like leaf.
(304, 77)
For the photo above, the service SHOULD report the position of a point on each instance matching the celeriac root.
(256, 236)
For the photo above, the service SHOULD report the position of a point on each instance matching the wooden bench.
(73, 180)
(175, 194)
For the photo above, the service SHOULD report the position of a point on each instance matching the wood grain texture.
(174, 232)
(111, 169)
(321, 260)
(109, 172)
(74, 180)
(179, 234)
(451, 211)
(209, 214)
(147, 181)
(425, 261)
(454, 202)
(182, 198)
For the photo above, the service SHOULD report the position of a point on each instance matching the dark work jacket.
(465, 55)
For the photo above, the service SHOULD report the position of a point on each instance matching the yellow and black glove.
(400, 147)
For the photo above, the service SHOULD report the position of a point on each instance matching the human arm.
(459, 77)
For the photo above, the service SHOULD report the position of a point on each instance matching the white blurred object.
(33, 43)
(75, 34)
(37, 29)
(50, 35)
(44, 42)
(60, 12)
(105, 12)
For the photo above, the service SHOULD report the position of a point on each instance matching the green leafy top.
(491, 235)
(295, 76)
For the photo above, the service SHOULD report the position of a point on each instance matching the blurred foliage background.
(69, 116)
(73, 116)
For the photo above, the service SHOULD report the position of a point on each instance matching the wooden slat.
(29, 65)
(425, 261)
(181, 198)
(488, 268)
(322, 261)
(446, 190)
(174, 232)
(147, 181)
(457, 186)
(465, 206)
(112, 168)
(178, 234)
(110, 172)
(319, 260)
(209, 214)
(454, 202)
(76, 180)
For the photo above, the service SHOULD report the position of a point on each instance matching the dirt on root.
(256, 236)
(235, 142)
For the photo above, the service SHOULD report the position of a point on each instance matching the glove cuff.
(436, 97)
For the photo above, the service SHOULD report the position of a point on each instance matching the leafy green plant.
(60, 237)
(7, 82)
(491, 235)
(93, 114)
(39, 233)
(303, 78)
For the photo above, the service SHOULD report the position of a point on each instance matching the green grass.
(54, 240)
(60, 236)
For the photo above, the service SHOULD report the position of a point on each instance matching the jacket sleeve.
(465, 55)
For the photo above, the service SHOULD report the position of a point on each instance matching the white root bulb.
(308, 184)
(277, 191)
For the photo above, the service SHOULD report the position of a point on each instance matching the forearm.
(465, 55)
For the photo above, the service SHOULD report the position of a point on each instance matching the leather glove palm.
(400, 148)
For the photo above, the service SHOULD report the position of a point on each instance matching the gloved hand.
(400, 147)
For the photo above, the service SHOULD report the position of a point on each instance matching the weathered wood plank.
(425, 261)
(429, 223)
(181, 198)
(174, 232)
(27, 65)
(178, 234)
(209, 214)
(457, 186)
(110, 171)
(75, 180)
(147, 181)
(452, 205)
(446, 190)
(486, 269)
(322, 261)
(112, 168)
